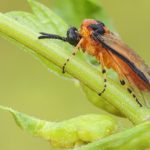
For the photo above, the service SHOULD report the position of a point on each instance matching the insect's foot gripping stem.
(63, 68)
(64, 65)
(138, 101)
(134, 96)
(105, 85)
(130, 91)
(104, 89)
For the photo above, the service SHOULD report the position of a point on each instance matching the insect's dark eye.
(73, 36)
(94, 26)
(99, 22)
(99, 28)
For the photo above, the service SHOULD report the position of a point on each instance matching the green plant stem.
(115, 94)
(136, 138)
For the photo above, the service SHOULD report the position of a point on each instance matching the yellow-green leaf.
(69, 133)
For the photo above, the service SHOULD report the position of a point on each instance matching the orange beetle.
(97, 40)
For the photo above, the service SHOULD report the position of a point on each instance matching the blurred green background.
(27, 86)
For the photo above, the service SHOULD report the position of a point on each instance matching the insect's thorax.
(94, 48)
(90, 46)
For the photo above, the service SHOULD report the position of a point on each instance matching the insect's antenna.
(73, 54)
(104, 73)
(52, 36)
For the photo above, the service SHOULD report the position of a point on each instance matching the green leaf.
(100, 102)
(74, 11)
(32, 22)
(48, 19)
(96, 2)
(136, 138)
(68, 133)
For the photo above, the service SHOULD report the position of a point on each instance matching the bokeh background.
(27, 86)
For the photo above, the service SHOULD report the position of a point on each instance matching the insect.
(97, 40)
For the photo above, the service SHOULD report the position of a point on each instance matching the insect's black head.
(73, 36)
(97, 27)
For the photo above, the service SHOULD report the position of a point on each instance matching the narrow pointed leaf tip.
(69, 133)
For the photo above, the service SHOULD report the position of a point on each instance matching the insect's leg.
(75, 50)
(132, 92)
(129, 88)
(104, 74)
(122, 76)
